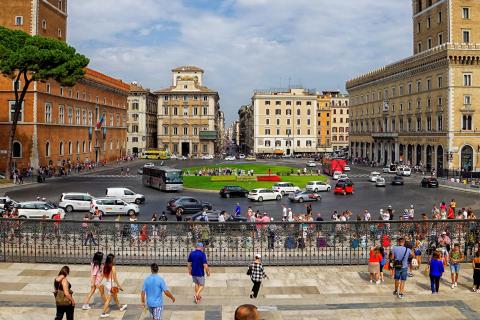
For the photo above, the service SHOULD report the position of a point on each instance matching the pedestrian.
(247, 312)
(133, 229)
(476, 272)
(63, 295)
(383, 262)
(198, 268)
(411, 212)
(88, 230)
(374, 265)
(154, 224)
(366, 215)
(444, 243)
(400, 263)
(257, 274)
(128, 171)
(238, 210)
(178, 214)
(154, 287)
(436, 271)
(111, 286)
(121, 171)
(95, 277)
(456, 257)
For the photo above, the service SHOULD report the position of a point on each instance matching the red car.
(344, 187)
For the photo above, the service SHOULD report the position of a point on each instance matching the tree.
(26, 59)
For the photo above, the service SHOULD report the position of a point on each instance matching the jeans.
(90, 239)
(68, 310)
(434, 283)
(256, 288)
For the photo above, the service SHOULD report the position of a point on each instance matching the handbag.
(398, 264)
(249, 271)
(60, 298)
(114, 289)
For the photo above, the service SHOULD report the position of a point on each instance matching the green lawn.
(257, 168)
(205, 183)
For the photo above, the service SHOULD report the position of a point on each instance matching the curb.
(200, 190)
(460, 189)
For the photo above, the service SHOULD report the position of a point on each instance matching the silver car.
(302, 196)
(380, 182)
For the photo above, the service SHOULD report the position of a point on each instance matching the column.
(382, 153)
(389, 153)
(414, 155)
(424, 156)
(397, 152)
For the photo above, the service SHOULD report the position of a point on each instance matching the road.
(367, 196)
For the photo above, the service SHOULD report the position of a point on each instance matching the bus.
(154, 154)
(330, 165)
(163, 178)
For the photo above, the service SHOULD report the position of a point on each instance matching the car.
(380, 182)
(140, 171)
(241, 156)
(126, 195)
(386, 169)
(149, 165)
(429, 182)
(392, 168)
(311, 164)
(346, 168)
(38, 210)
(404, 171)
(213, 217)
(373, 176)
(343, 176)
(285, 187)
(344, 187)
(207, 157)
(187, 205)
(264, 194)
(229, 158)
(397, 180)
(75, 201)
(317, 186)
(336, 175)
(7, 202)
(233, 191)
(250, 158)
(302, 196)
(182, 158)
(113, 206)
(173, 157)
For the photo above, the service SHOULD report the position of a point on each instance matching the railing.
(227, 244)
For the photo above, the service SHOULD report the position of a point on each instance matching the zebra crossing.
(106, 176)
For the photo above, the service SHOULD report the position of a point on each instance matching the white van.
(126, 195)
(75, 201)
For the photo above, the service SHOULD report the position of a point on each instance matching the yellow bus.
(154, 154)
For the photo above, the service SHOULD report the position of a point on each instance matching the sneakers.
(456, 284)
(105, 315)
(400, 295)
(453, 285)
(395, 292)
(378, 282)
(124, 307)
(251, 296)
(86, 307)
(371, 281)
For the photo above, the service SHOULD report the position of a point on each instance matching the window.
(298, 143)
(288, 121)
(175, 111)
(83, 147)
(440, 38)
(267, 143)
(298, 103)
(439, 17)
(18, 20)
(419, 27)
(467, 122)
(205, 111)
(467, 79)
(277, 103)
(84, 117)
(78, 147)
(77, 116)
(47, 149)
(185, 131)
(59, 32)
(16, 149)
(429, 43)
(204, 148)
(267, 121)
(195, 131)
(440, 122)
(429, 123)
(288, 112)
(410, 88)
(440, 82)
(44, 24)
(466, 13)
(419, 85)
(267, 132)
(12, 111)
(165, 130)
(278, 122)
(419, 47)
(134, 128)
(429, 84)
(440, 101)
(298, 112)
(90, 118)
(429, 22)
(48, 112)
(47, 87)
(419, 123)
(466, 36)
(267, 103)
(60, 149)
(467, 100)
(267, 112)
(175, 131)
(195, 111)
(61, 115)
(165, 111)
(278, 112)
(298, 122)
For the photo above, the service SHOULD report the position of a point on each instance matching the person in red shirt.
(374, 265)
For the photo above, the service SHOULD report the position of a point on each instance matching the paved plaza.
(291, 293)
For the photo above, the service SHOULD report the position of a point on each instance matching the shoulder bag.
(60, 298)
(398, 264)
(114, 289)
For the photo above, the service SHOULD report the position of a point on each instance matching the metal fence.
(227, 244)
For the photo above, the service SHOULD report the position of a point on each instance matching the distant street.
(367, 196)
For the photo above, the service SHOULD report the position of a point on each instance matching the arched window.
(83, 147)
(467, 158)
(69, 147)
(16, 149)
(47, 149)
(61, 149)
(78, 147)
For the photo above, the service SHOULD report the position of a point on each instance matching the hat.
(389, 207)
(199, 245)
(381, 210)
(411, 206)
(444, 232)
(258, 256)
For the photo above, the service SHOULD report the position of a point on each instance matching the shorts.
(156, 312)
(199, 280)
(401, 274)
(455, 267)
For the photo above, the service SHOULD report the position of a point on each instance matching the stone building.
(58, 124)
(141, 120)
(423, 109)
(245, 130)
(188, 115)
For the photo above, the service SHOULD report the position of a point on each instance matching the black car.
(233, 191)
(397, 180)
(187, 205)
(429, 182)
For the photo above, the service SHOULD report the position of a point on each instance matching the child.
(436, 271)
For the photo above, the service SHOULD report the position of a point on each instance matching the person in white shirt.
(366, 215)
(411, 213)
(290, 215)
(221, 217)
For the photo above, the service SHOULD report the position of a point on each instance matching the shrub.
(246, 178)
(269, 178)
(223, 178)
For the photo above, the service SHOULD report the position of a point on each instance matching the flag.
(99, 123)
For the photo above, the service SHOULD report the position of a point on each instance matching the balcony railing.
(385, 135)
(208, 135)
(230, 243)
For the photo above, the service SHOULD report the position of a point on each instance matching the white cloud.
(242, 44)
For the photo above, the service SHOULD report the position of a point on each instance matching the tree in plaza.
(25, 59)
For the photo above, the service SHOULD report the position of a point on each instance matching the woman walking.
(111, 285)
(257, 274)
(436, 271)
(95, 277)
(374, 265)
(63, 295)
(476, 272)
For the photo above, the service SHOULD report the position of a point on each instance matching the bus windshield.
(173, 177)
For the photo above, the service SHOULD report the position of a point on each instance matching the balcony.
(208, 135)
(385, 135)
(467, 108)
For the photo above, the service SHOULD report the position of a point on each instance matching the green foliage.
(223, 178)
(40, 58)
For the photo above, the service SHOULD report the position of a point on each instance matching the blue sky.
(241, 44)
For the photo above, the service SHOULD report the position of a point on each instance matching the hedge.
(223, 178)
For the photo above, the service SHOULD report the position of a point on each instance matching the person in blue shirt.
(436, 271)
(153, 289)
(401, 254)
(238, 210)
(197, 268)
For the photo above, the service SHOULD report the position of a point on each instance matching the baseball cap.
(258, 256)
(199, 245)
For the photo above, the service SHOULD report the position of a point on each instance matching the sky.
(242, 45)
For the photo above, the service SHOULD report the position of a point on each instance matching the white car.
(114, 206)
(229, 158)
(75, 201)
(149, 165)
(317, 186)
(207, 157)
(264, 194)
(125, 194)
(38, 209)
(336, 175)
(182, 158)
(343, 176)
(241, 156)
(380, 182)
(285, 187)
(404, 171)
(173, 156)
(311, 164)
(373, 176)
(346, 168)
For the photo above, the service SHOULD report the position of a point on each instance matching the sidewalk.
(291, 293)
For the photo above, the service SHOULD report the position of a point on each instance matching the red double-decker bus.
(330, 165)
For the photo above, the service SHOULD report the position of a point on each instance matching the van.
(75, 201)
(126, 195)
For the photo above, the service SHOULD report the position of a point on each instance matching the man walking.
(154, 287)
(238, 210)
(400, 263)
(197, 268)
